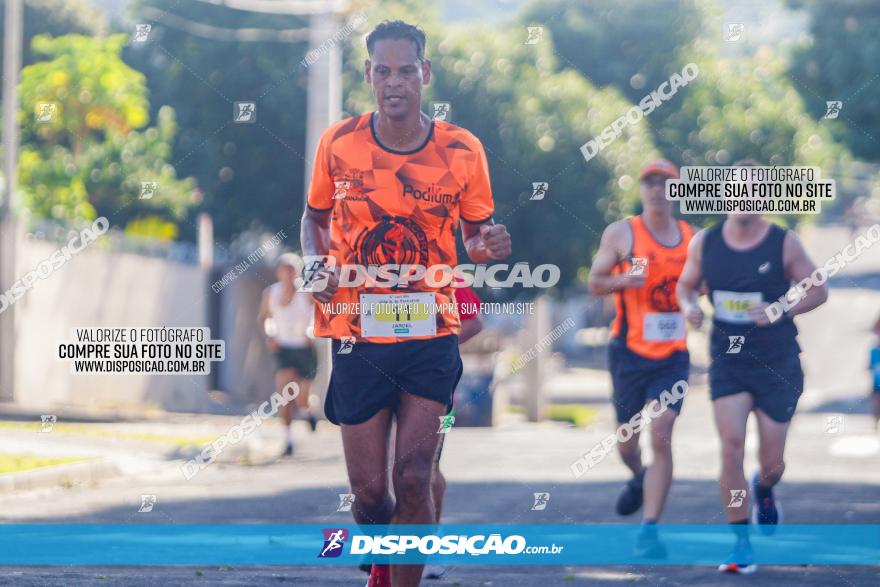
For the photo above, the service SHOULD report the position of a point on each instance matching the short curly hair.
(397, 29)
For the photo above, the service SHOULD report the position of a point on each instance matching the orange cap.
(660, 167)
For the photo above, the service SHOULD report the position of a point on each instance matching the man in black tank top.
(746, 263)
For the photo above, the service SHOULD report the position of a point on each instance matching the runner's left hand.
(758, 315)
(496, 241)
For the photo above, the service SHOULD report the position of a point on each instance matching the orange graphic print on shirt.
(640, 308)
(396, 208)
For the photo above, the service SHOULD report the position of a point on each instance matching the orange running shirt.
(396, 207)
(648, 318)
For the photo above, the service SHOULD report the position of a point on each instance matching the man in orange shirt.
(391, 188)
(639, 261)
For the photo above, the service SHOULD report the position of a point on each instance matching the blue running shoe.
(766, 511)
(741, 561)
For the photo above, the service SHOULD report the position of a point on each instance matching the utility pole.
(324, 107)
(12, 39)
(324, 102)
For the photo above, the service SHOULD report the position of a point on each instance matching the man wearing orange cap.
(639, 261)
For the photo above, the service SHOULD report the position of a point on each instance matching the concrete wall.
(102, 288)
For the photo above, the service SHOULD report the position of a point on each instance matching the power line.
(294, 7)
(214, 33)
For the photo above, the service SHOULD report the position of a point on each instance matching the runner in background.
(874, 365)
(639, 261)
(285, 317)
(747, 262)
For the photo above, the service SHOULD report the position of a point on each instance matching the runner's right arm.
(613, 248)
(314, 234)
(690, 282)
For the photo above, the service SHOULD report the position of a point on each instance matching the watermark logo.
(628, 429)
(546, 342)
(447, 544)
(340, 189)
(245, 264)
(346, 345)
(147, 503)
(47, 422)
(244, 112)
(141, 33)
(734, 31)
(236, 434)
(53, 262)
(639, 265)
(346, 500)
(314, 54)
(764, 189)
(832, 109)
(820, 275)
(534, 35)
(446, 423)
(735, 344)
(314, 277)
(317, 269)
(664, 92)
(148, 189)
(541, 501)
(539, 190)
(46, 111)
(334, 540)
(737, 496)
(833, 424)
(441, 111)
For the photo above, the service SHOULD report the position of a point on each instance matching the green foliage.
(842, 62)
(153, 228)
(87, 159)
(93, 91)
(633, 45)
(251, 174)
(55, 18)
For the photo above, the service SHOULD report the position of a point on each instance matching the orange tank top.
(648, 318)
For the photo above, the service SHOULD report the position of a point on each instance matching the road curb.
(64, 475)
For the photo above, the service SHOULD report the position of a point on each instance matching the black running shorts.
(303, 359)
(636, 380)
(775, 383)
(368, 377)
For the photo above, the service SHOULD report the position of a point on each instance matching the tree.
(841, 61)
(251, 174)
(82, 154)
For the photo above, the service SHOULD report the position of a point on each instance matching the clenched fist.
(496, 241)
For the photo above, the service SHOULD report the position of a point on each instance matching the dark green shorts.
(303, 359)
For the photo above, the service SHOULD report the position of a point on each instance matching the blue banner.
(482, 544)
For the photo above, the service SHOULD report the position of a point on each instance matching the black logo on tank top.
(663, 295)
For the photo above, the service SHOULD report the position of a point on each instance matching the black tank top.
(738, 279)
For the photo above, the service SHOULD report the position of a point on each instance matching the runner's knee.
(412, 480)
(368, 495)
(732, 447)
(661, 441)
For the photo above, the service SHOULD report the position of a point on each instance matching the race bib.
(731, 306)
(660, 326)
(398, 315)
